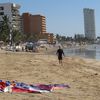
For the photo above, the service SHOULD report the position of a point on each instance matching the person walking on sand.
(60, 54)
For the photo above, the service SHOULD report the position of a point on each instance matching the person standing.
(60, 54)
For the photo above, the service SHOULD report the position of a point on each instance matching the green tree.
(17, 36)
(58, 37)
(5, 30)
(33, 37)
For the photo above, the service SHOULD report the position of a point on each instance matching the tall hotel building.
(33, 24)
(89, 23)
(12, 12)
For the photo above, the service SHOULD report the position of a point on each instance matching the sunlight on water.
(91, 51)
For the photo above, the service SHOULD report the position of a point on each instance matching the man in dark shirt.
(60, 53)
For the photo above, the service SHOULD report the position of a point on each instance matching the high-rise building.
(12, 12)
(33, 24)
(89, 23)
(39, 24)
(26, 23)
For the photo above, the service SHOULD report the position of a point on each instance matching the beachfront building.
(33, 24)
(36, 25)
(51, 39)
(11, 10)
(89, 23)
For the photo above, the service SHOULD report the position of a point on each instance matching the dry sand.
(82, 75)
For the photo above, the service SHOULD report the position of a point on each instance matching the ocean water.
(91, 52)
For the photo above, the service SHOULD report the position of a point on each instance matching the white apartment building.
(12, 12)
(89, 23)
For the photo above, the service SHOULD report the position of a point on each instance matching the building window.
(1, 13)
(1, 8)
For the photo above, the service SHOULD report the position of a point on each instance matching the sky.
(63, 17)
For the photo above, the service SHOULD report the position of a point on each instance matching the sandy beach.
(82, 75)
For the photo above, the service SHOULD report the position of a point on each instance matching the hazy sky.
(62, 16)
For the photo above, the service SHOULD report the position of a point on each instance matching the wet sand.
(82, 75)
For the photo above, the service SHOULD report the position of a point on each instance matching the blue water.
(91, 51)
